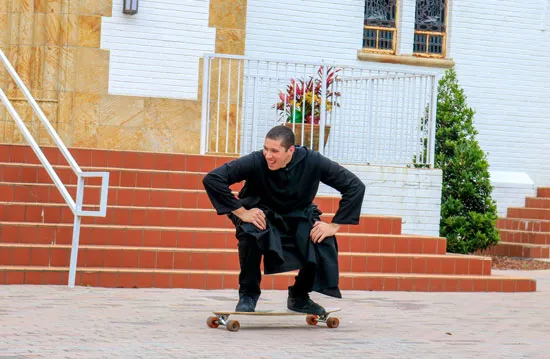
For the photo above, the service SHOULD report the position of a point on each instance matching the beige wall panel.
(92, 70)
(68, 30)
(67, 68)
(25, 113)
(172, 114)
(89, 33)
(40, 6)
(95, 7)
(123, 111)
(26, 28)
(136, 139)
(53, 29)
(66, 133)
(39, 35)
(228, 14)
(186, 141)
(65, 107)
(86, 120)
(21, 5)
(22, 62)
(51, 68)
(8, 126)
(230, 41)
(54, 6)
(36, 64)
(4, 31)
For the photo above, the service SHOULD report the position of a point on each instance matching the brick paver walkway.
(56, 322)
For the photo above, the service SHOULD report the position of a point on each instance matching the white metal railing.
(374, 116)
(75, 205)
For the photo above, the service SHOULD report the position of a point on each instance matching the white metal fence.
(75, 205)
(365, 116)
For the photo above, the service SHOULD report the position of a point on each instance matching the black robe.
(286, 196)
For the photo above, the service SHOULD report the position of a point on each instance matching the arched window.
(430, 28)
(380, 26)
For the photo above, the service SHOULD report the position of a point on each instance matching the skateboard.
(222, 318)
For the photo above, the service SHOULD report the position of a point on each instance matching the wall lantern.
(130, 7)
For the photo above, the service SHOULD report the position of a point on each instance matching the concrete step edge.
(229, 250)
(292, 273)
(211, 210)
(201, 229)
(528, 245)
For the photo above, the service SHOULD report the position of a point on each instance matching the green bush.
(468, 213)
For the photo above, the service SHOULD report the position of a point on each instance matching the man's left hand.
(322, 230)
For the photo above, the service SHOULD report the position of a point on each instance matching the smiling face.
(276, 155)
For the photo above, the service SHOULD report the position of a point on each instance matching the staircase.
(161, 231)
(525, 231)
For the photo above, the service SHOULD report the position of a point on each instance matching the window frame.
(428, 34)
(394, 31)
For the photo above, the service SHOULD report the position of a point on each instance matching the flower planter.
(306, 128)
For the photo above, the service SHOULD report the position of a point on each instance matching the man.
(274, 216)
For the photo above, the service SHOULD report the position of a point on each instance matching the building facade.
(134, 82)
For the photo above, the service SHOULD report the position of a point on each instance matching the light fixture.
(130, 7)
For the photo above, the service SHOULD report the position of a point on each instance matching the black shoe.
(247, 303)
(303, 304)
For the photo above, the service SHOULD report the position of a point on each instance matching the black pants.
(250, 257)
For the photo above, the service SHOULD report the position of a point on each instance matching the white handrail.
(76, 207)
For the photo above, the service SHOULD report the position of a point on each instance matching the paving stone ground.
(56, 322)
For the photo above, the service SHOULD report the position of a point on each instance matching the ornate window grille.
(430, 28)
(380, 31)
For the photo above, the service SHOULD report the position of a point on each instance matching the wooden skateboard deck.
(222, 318)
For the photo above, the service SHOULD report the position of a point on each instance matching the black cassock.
(286, 197)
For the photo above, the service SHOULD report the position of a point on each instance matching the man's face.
(276, 155)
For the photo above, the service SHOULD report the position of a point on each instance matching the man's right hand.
(254, 215)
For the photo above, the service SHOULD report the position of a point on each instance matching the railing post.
(76, 231)
(323, 111)
(205, 102)
(432, 129)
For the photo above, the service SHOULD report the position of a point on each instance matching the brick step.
(193, 237)
(228, 259)
(521, 224)
(211, 279)
(529, 213)
(115, 158)
(118, 177)
(540, 238)
(543, 192)
(522, 250)
(164, 217)
(536, 202)
(131, 196)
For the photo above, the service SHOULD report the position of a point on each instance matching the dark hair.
(282, 133)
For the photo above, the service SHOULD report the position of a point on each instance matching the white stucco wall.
(412, 194)
(502, 59)
(155, 53)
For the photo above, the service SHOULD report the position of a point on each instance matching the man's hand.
(322, 230)
(254, 215)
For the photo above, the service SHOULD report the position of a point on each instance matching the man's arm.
(349, 209)
(350, 187)
(217, 184)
